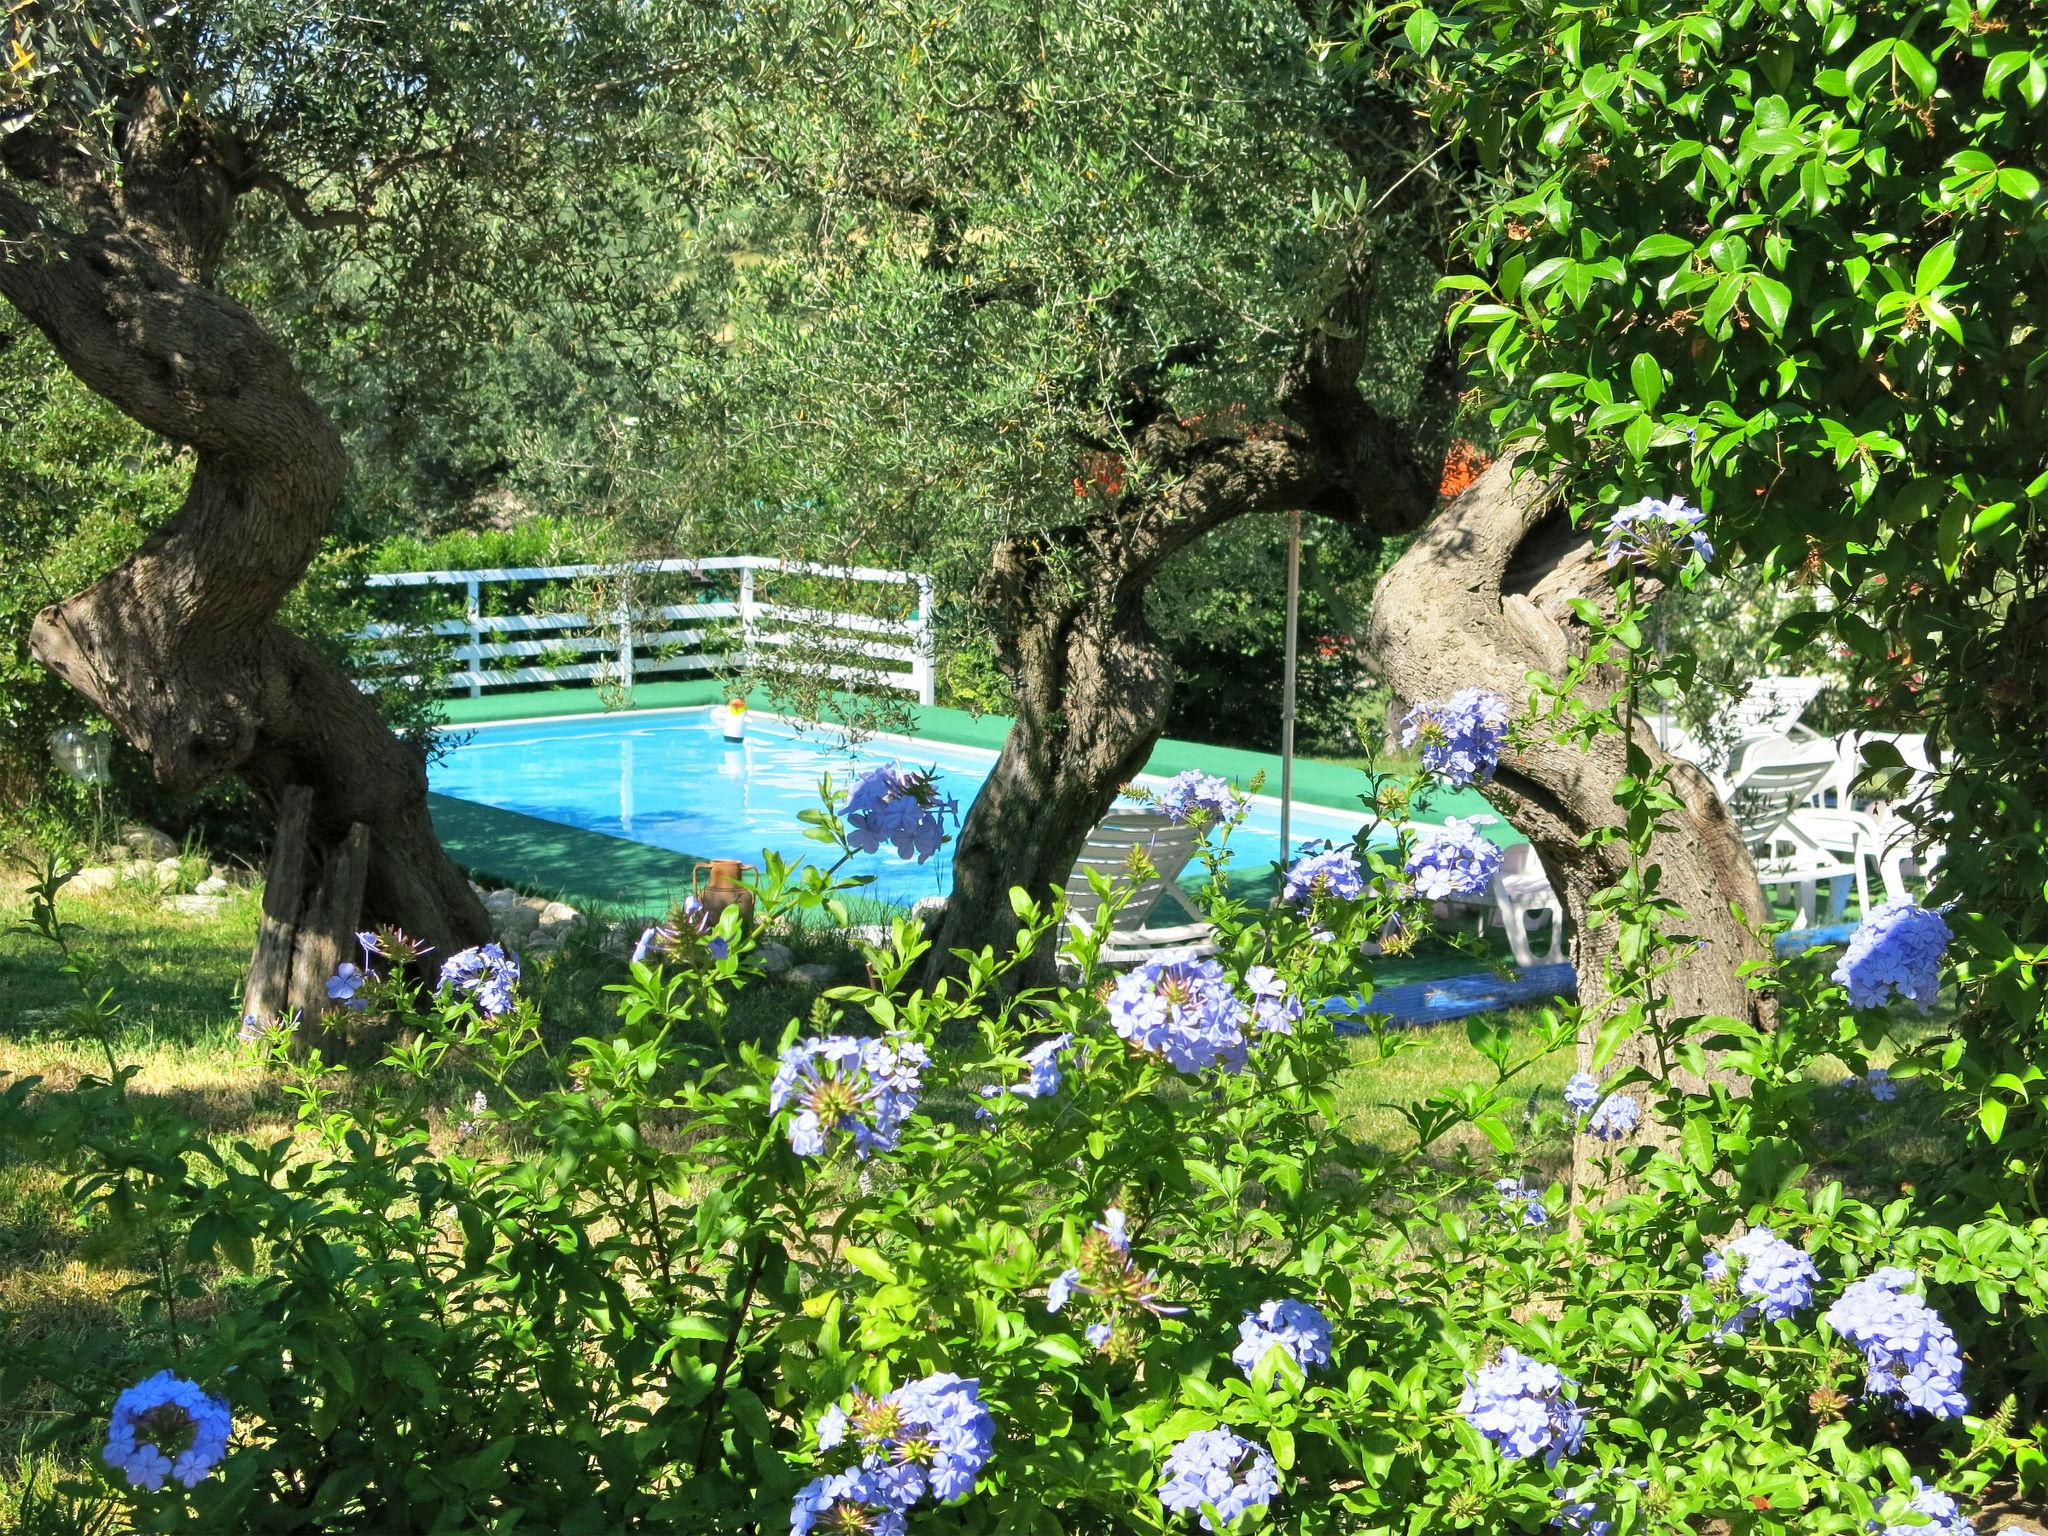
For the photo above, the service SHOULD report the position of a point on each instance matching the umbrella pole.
(1287, 687)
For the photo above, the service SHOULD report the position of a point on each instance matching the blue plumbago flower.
(1333, 873)
(1195, 793)
(478, 1107)
(930, 1437)
(1181, 1007)
(1275, 1010)
(864, 1089)
(1107, 1271)
(1295, 1328)
(166, 1428)
(1099, 1334)
(1877, 1082)
(487, 973)
(851, 1501)
(343, 985)
(1908, 1351)
(1455, 859)
(1775, 1279)
(1518, 1202)
(393, 944)
(1615, 1119)
(1520, 1405)
(1896, 952)
(1221, 1469)
(1579, 1511)
(665, 940)
(1943, 1517)
(1581, 1093)
(891, 804)
(1460, 737)
(1658, 534)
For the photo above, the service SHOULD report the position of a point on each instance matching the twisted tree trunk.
(1481, 599)
(177, 645)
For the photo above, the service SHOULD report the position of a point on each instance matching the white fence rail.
(636, 641)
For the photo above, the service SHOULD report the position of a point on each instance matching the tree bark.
(1482, 599)
(177, 645)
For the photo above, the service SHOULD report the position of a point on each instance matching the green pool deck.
(590, 868)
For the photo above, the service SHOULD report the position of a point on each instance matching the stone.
(212, 885)
(560, 912)
(499, 902)
(94, 881)
(815, 974)
(168, 871)
(195, 904)
(148, 843)
(771, 958)
(517, 925)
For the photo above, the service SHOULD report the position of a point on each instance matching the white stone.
(496, 902)
(148, 843)
(771, 958)
(816, 974)
(516, 925)
(560, 912)
(212, 885)
(167, 871)
(95, 881)
(196, 905)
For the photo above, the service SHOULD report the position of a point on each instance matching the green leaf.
(869, 1263)
(2017, 183)
(1661, 247)
(1916, 67)
(1934, 267)
(1421, 30)
(1991, 1115)
(1772, 301)
(1648, 380)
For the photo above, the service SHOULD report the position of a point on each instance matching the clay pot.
(723, 890)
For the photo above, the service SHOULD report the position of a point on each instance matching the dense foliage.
(1090, 1258)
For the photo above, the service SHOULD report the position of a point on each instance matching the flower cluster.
(893, 805)
(1520, 1405)
(1895, 952)
(1043, 1074)
(1334, 873)
(1106, 1270)
(1195, 793)
(479, 1106)
(1615, 1119)
(1221, 1470)
(1519, 1203)
(166, 1428)
(1877, 1082)
(1295, 1328)
(665, 940)
(929, 1438)
(1275, 1010)
(1908, 1351)
(1581, 1093)
(1579, 1511)
(1775, 1279)
(1183, 1008)
(392, 943)
(1455, 859)
(1943, 1517)
(1658, 534)
(487, 973)
(854, 1500)
(1460, 737)
(864, 1089)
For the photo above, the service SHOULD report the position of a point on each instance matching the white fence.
(636, 641)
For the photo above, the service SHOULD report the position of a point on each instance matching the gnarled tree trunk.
(1481, 599)
(177, 645)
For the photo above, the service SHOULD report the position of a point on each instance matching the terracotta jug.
(724, 890)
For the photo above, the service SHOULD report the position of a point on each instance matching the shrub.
(1090, 1257)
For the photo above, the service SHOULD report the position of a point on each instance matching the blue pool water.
(669, 779)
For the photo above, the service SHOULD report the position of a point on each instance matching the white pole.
(1287, 688)
(472, 613)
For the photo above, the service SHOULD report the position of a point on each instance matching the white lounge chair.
(1764, 800)
(1520, 891)
(1167, 846)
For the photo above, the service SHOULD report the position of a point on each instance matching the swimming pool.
(669, 779)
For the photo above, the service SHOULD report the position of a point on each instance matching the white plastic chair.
(1763, 800)
(1520, 891)
(1168, 846)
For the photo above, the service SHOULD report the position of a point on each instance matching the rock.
(560, 912)
(95, 881)
(212, 885)
(196, 905)
(771, 958)
(148, 843)
(813, 975)
(516, 925)
(497, 903)
(168, 871)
